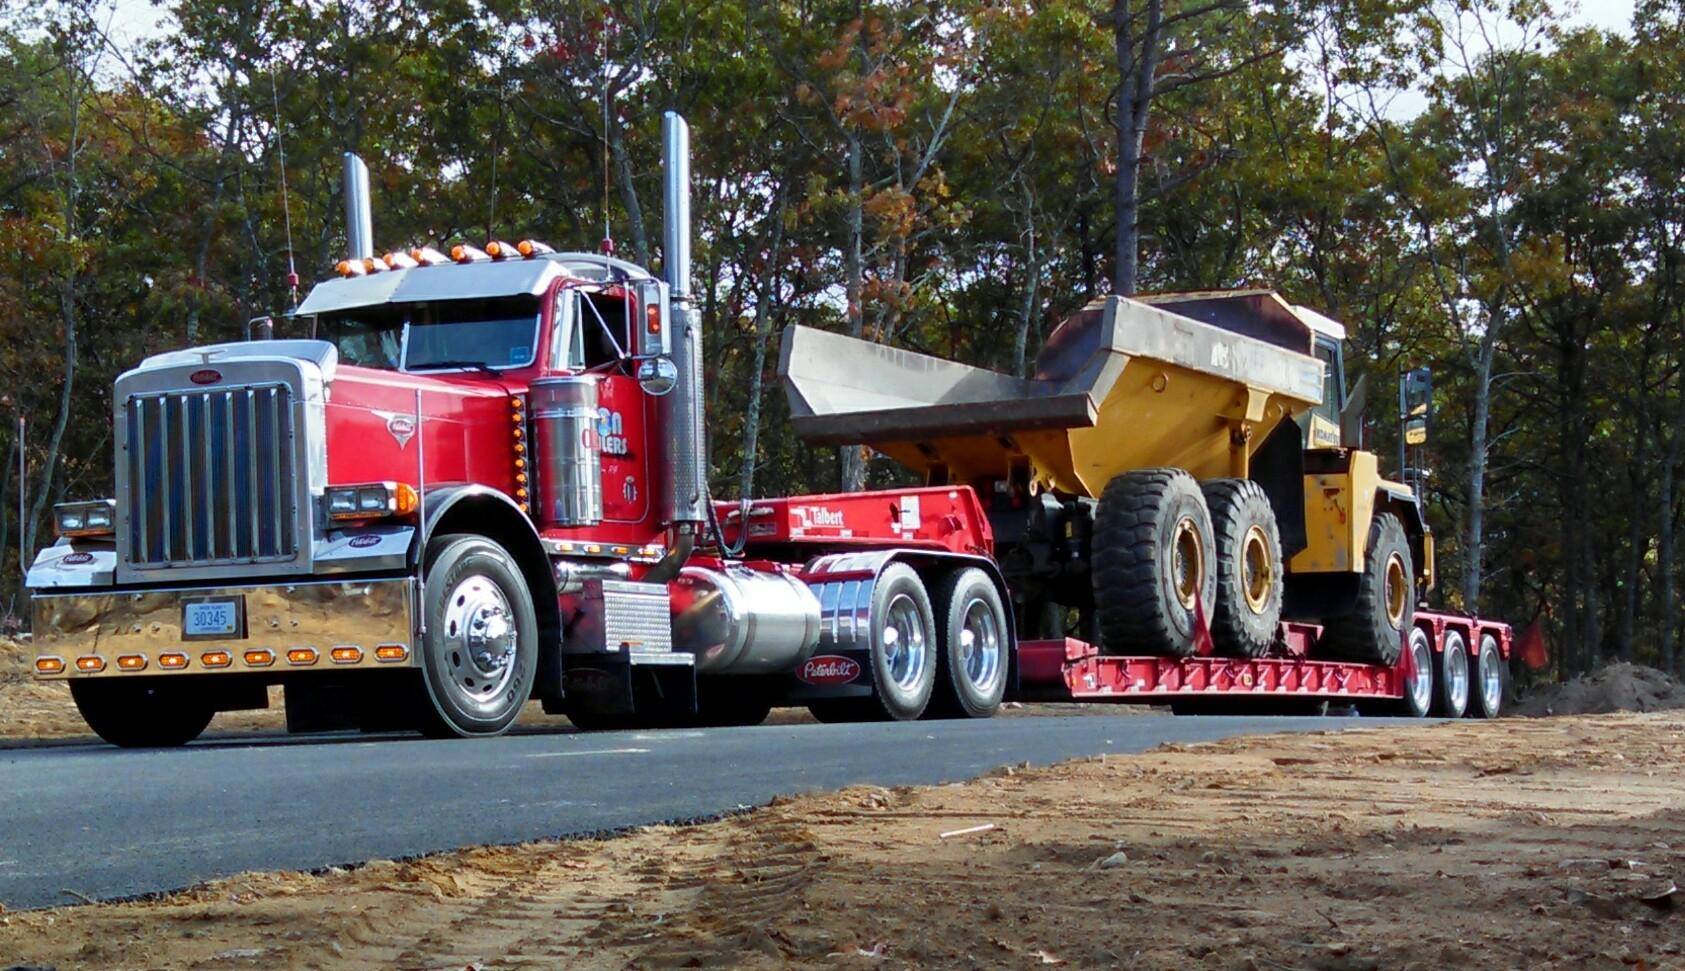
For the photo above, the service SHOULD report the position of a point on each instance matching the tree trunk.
(1032, 280)
(850, 461)
(55, 441)
(1669, 612)
(628, 193)
(763, 334)
(1472, 554)
(1137, 64)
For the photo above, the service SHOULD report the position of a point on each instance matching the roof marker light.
(397, 260)
(372, 265)
(428, 256)
(463, 253)
(497, 249)
(349, 268)
(530, 248)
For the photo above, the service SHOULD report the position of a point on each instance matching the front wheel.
(1372, 628)
(480, 653)
(139, 714)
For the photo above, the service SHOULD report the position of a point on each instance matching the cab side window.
(1333, 379)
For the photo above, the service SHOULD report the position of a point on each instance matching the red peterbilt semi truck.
(483, 480)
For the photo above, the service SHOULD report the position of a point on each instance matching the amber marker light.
(216, 659)
(392, 652)
(463, 253)
(259, 659)
(132, 662)
(346, 655)
(90, 664)
(532, 247)
(172, 662)
(301, 656)
(49, 665)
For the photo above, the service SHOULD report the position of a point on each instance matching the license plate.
(212, 618)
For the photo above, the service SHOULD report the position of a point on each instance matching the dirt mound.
(15, 657)
(1618, 687)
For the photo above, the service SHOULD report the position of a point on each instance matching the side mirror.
(658, 376)
(653, 336)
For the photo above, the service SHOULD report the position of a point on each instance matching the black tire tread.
(1352, 634)
(1127, 598)
(1227, 500)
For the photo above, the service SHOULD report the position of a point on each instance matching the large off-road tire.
(1153, 559)
(1451, 677)
(1372, 629)
(972, 645)
(143, 713)
(1247, 618)
(1486, 698)
(480, 655)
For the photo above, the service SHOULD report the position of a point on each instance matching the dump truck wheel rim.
(1187, 563)
(480, 640)
(1397, 591)
(903, 635)
(1257, 571)
(980, 645)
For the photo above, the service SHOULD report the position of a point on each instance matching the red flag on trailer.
(1203, 645)
(1530, 647)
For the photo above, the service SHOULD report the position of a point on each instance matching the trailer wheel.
(903, 654)
(1419, 683)
(1373, 629)
(480, 654)
(1486, 700)
(1248, 567)
(972, 636)
(1451, 681)
(139, 714)
(1153, 557)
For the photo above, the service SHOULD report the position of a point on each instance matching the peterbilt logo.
(205, 376)
(364, 541)
(829, 669)
(399, 425)
(77, 559)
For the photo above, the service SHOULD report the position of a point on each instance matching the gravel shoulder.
(1536, 843)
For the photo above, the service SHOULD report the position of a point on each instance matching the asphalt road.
(103, 823)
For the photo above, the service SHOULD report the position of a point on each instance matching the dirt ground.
(1552, 843)
(1615, 687)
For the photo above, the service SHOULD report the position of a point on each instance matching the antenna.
(286, 210)
(602, 66)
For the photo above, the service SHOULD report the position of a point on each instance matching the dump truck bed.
(1122, 384)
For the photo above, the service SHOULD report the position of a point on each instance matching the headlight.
(97, 518)
(372, 500)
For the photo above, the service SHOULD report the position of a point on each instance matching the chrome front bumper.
(321, 626)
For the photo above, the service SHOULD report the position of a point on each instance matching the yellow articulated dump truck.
(1176, 464)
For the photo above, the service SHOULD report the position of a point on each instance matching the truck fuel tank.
(739, 620)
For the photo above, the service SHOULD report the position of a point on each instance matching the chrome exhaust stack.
(359, 220)
(685, 502)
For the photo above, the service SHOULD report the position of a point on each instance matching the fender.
(845, 582)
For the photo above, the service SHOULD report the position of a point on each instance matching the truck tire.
(142, 713)
(1486, 698)
(971, 635)
(1372, 630)
(1247, 618)
(480, 654)
(1419, 680)
(1451, 677)
(1153, 552)
(903, 656)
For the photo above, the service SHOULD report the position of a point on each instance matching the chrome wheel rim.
(1491, 675)
(1456, 672)
(478, 641)
(1421, 680)
(903, 643)
(980, 646)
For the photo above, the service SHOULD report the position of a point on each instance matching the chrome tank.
(742, 621)
(569, 462)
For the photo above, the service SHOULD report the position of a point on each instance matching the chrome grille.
(212, 476)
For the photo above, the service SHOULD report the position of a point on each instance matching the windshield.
(445, 335)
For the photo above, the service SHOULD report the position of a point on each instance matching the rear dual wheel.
(1486, 699)
(903, 654)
